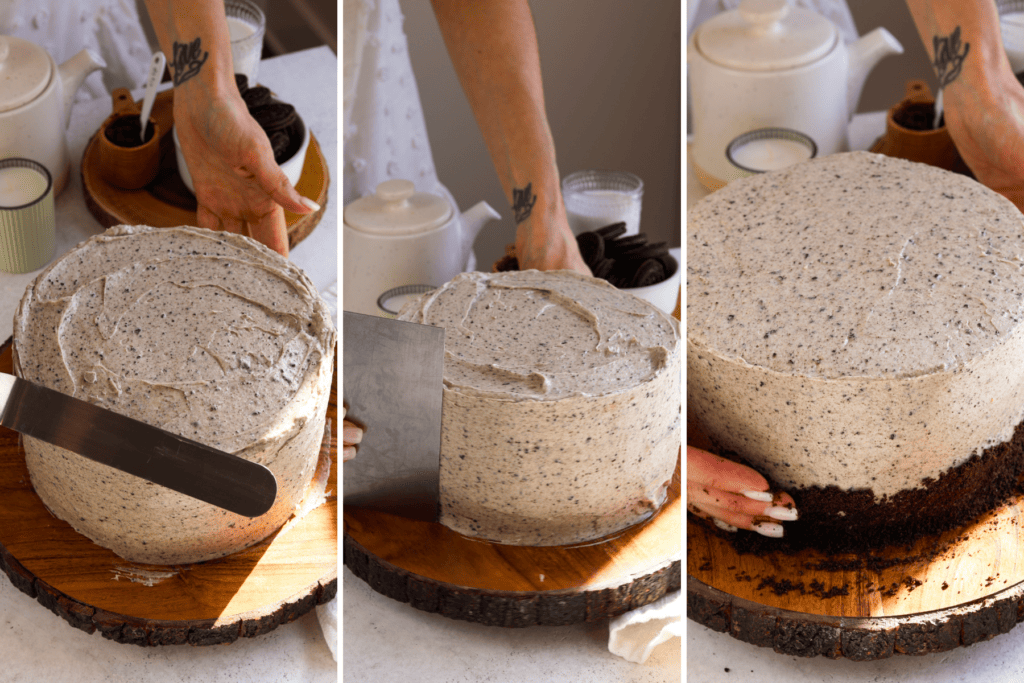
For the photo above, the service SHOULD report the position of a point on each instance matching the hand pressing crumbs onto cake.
(734, 496)
(352, 435)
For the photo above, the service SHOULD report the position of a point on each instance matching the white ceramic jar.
(771, 65)
(398, 236)
(35, 103)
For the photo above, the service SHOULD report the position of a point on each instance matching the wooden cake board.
(948, 591)
(243, 595)
(166, 202)
(438, 570)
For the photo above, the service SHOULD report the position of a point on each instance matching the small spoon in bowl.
(156, 71)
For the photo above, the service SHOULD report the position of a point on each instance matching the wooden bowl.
(129, 168)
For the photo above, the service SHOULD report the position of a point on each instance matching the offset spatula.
(180, 464)
(392, 385)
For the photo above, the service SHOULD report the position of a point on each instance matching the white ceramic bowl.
(664, 294)
(292, 167)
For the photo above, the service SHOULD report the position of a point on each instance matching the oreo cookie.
(591, 246)
(650, 272)
(624, 244)
(610, 232)
(257, 97)
(274, 116)
(603, 268)
(242, 82)
(645, 251)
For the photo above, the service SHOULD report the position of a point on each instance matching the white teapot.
(35, 103)
(771, 65)
(398, 236)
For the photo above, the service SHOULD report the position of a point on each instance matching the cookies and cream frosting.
(561, 405)
(205, 334)
(855, 321)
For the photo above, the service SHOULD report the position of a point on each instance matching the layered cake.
(208, 335)
(854, 333)
(561, 406)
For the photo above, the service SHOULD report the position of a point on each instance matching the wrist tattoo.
(522, 202)
(187, 60)
(949, 56)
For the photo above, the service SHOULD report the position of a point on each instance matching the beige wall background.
(886, 85)
(612, 82)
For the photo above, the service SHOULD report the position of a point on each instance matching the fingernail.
(352, 435)
(348, 452)
(724, 526)
(763, 496)
(310, 204)
(769, 529)
(783, 514)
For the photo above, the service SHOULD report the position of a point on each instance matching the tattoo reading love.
(949, 57)
(522, 202)
(188, 59)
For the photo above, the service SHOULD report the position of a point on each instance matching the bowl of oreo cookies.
(629, 262)
(289, 136)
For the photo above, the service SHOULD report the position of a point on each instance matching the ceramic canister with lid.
(398, 236)
(772, 65)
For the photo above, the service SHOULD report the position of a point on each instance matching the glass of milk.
(594, 199)
(769, 149)
(27, 221)
(246, 24)
(1011, 25)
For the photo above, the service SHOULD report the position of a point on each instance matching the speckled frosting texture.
(854, 321)
(205, 334)
(561, 406)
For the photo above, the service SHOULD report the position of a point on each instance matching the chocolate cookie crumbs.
(125, 131)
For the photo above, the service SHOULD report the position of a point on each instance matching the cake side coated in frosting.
(855, 321)
(205, 334)
(561, 406)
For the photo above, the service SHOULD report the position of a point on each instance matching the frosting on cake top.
(166, 326)
(544, 335)
(855, 265)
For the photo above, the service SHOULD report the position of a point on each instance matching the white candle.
(20, 186)
(770, 154)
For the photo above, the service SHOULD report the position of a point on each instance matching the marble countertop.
(388, 640)
(714, 657)
(35, 644)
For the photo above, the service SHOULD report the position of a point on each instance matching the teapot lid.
(766, 35)
(397, 209)
(25, 71)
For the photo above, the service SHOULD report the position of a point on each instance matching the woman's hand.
(545, 242)
(734, 496)
(239, 186)
(351, 436)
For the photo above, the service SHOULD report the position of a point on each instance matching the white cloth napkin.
(634, 635)
(327, 615)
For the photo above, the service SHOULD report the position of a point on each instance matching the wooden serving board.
(437, 570)
(166, 202)
(948, 591)
(242, 595)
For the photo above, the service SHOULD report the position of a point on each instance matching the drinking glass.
(247, 25)
(27, 221)
(594, 199)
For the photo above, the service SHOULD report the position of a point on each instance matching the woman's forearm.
(493, 46)
(196, 43)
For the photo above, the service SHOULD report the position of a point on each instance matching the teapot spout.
(864, 55)
(73, 73)
(472, 220)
